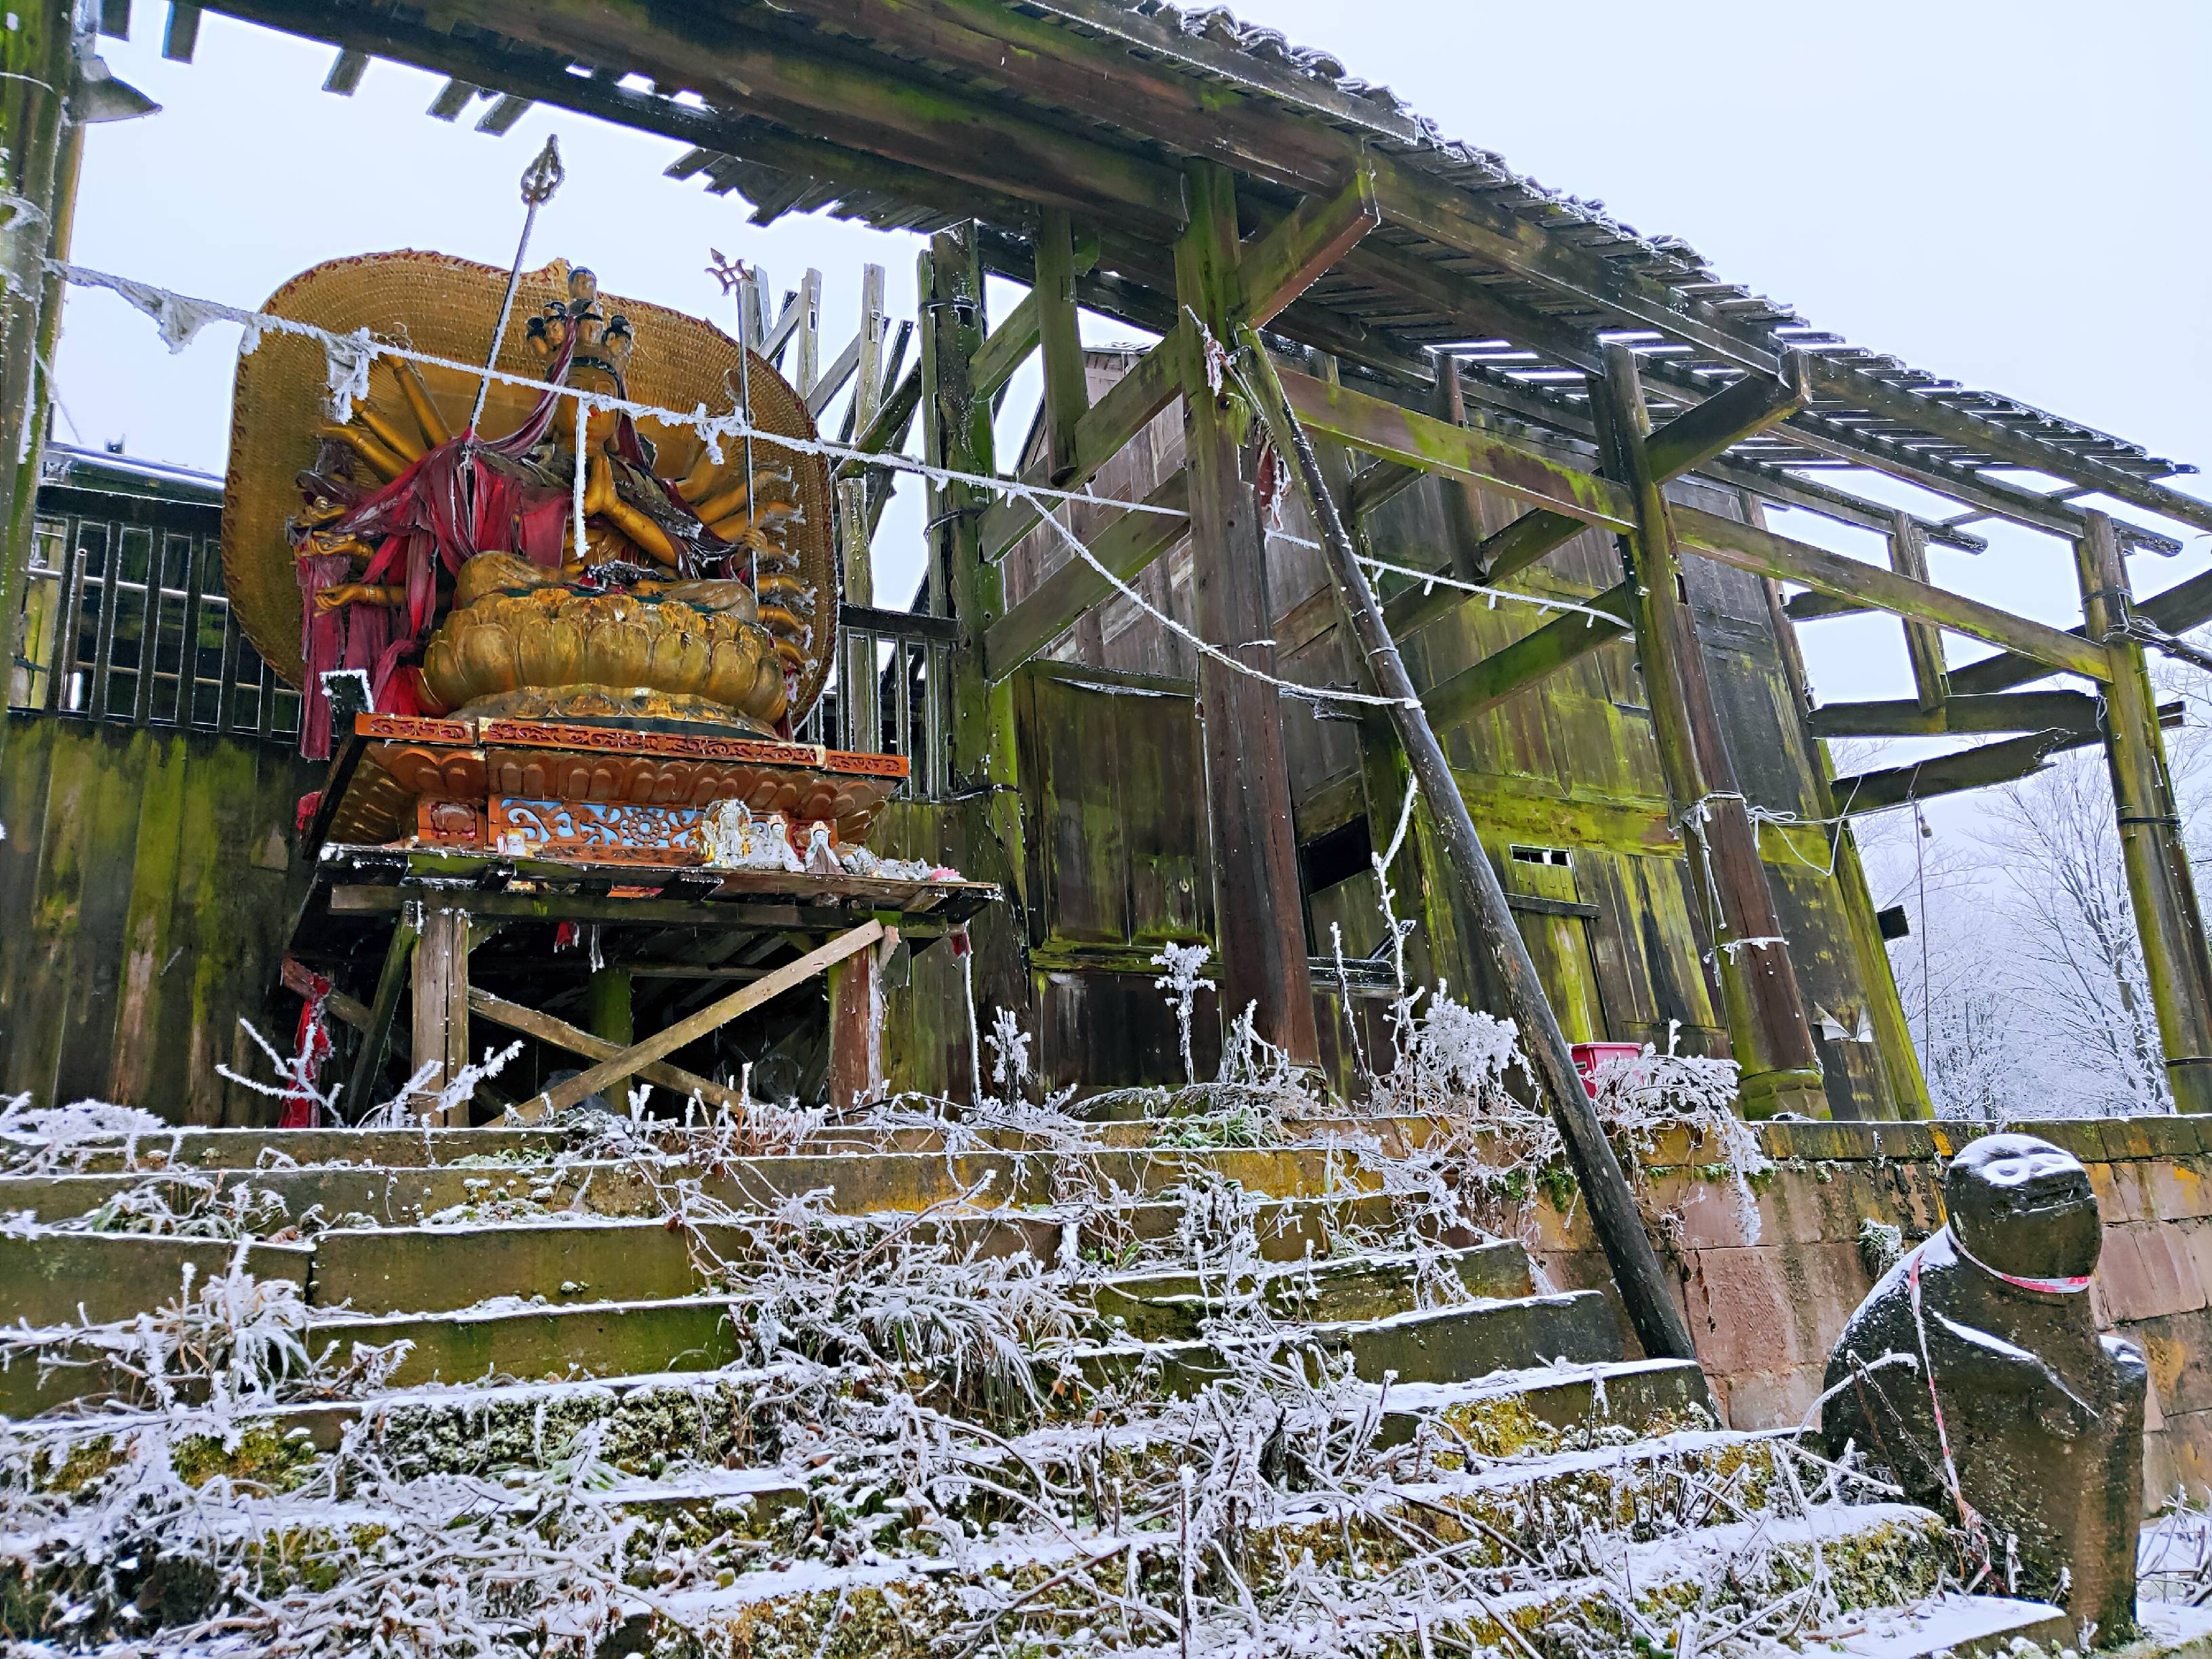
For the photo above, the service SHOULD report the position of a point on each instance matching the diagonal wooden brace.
(637, 1056)
(561, 1034)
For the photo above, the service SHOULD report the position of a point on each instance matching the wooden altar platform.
(619, 924)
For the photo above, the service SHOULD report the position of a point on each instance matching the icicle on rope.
(1212, 652)
(713, 429)
(1429, 579)
(539, 180)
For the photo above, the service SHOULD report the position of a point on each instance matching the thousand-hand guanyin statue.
(443, 560)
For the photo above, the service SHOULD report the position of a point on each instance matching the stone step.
(268, 1201)
(1174, 1306)
(1437, 1345)
(1967, 1627)
(47, 1276)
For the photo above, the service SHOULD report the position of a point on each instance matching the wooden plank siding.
(145, 883)
(1568, 764)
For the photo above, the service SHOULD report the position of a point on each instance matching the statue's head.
(583, 286)
(2024, 1207)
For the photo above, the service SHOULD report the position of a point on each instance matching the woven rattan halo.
(446, 306)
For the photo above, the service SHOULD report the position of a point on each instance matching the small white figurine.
(724, 833)
(769, 846)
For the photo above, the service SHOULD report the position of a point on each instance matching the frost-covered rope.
(1436, 579)
(1214, 654)
(182, 316)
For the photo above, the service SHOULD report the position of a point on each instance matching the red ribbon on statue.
(312, 1049)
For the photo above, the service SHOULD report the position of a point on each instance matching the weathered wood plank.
(1987, 764)
(2020, 711)
(2184, 606)
(1924, 642)
(1113, 420)
(561, 1034)
(1748, 548)
(1066, 379)
(628, 1061)
(1529, 661)
(1275, 268)
(1126, 547)
(1382, 428)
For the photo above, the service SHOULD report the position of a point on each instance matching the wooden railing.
(126, 618)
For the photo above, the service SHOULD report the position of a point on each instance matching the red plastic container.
(1588, 1054)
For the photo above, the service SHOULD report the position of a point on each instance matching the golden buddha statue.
(444, 562)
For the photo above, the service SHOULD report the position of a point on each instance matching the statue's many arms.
(445, 564)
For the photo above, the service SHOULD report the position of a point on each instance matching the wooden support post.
(855, 549)
(856, 1028)
(1924, 642)
(1262, 925)
(1614, 1214)
(442, 1000)
(868, 377)
(622, 1066)
(1773, 1041)
(1462, 500)
(810, 334)
(607, 1011)
(376, 1036)
(39, 154)
(1898, 1061)
(1066, 382)
(963, 582)
(2167, 916)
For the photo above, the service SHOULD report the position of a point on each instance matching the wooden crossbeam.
(1282, 264)
(630, 1060)
(1685, 443)
(1534, 657)
(2020, 711)
(2184, 606)
(1113, 420)
(1382, 428)
(561, 1034)
(1763, 553)
(376, 1034)
(1126, 547)
(1979, 768)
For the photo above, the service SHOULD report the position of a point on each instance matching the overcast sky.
(2010, 194)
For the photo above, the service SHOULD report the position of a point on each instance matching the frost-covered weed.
(43, 1140)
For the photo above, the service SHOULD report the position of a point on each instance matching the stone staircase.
(934, 1388)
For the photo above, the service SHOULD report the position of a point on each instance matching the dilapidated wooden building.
(1512, 391)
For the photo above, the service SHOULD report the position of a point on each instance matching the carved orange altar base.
(594, 793)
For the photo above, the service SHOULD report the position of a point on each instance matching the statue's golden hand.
(345, 593)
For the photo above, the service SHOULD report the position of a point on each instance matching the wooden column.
(1462, 499)
(1765, 1013)
(1059, 343)
(856, 1030)
(1261, 922)
(2167, 917)
(39, 152)
(441, 1000)
(1899, 1062)
(607, 1010)
(1923, 640)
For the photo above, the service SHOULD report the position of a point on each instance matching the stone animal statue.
(2007, 1409)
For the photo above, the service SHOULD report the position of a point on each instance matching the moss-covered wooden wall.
(144, 893)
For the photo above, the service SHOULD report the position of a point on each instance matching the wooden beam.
(1682, 445)
(628, 1061)
(1923, 640)
(2161, 884)
(2008, 444)
(1113, 420)
(1765, 553)
(1979, 768)
(1382, 428)
(1126, 547)
(1258, 908)
(1809, 606)
(561, 1034)
(1067, 379)
(1534, 657)
(442, 998)
(1768, 1029)
(2184, 606)
(1643, 1286)
(376, 1036)
(1279, 266)
(2021, 711)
